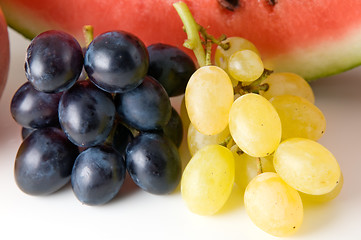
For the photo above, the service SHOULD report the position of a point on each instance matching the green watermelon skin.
(313, 38)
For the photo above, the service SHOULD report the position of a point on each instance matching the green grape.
(246, 166)
(307, 166)
(273, 206)
(221, 56)
(255, 125)
(245, 66)
(208, 99)
(184, 115)
(299, 117)
(208, 179)
(287, 83)
(197, 140)
(308, 198)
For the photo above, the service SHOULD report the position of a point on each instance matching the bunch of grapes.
(91, 115)
(255, 128)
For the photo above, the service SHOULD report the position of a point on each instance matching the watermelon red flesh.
(311, 38)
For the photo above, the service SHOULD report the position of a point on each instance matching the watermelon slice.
(314, 38)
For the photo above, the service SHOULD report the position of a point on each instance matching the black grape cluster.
(89, 116)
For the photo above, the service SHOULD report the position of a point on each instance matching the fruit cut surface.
(312, 38)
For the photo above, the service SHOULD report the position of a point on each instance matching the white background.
(135, 214)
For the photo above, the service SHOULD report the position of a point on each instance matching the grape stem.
(202, 50)
(226, 141)
(88, 32)
(259, 166)
(255, 86)
(192, 28)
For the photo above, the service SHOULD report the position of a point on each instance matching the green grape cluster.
(257, 129)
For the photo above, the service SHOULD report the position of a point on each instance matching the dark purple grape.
(98, 174)
(153, 162)
(122, 136)
(34, 109)
(116, 61)
(171, 67)
(26, 132)
(174, 128)
(54, 61)
(146, 107)
(44, 162)
(86, 114)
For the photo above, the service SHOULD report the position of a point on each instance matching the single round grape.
(222, 56)
(207, 180)
(44, 162)
(171, 67)
(147, 107)
(34, 109)
(255, 125)
(273, 206)
(154, 163)
(116, 61)
(174, 128)
(246, 166)
(86, 114)
(208, 99)
(283, 83)
(245, 66)
(307, 166)
(97, 175)
(54, 61)
(197, 140)
(299, 117)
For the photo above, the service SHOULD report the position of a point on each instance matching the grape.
(255, 125)
(147, 107)
(307, 166)
(245, 66)
(97, 175)
(222, 56)
(34, 109)
(208, 99)
(86, 114)
(174, 128)
(287, 83)
(246, 166)
(171, 67)
(116, 61)
(299, 117)
(207, 180)
(197, 140)
(44, 162)
(122, 136)
(54, 61)
(273, 206)
(308, 198)
(153, 162)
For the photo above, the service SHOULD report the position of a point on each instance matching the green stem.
(226, 141)
(259, 166)
(192, 29)
(88, 32)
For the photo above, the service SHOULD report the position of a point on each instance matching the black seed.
(230, 5)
